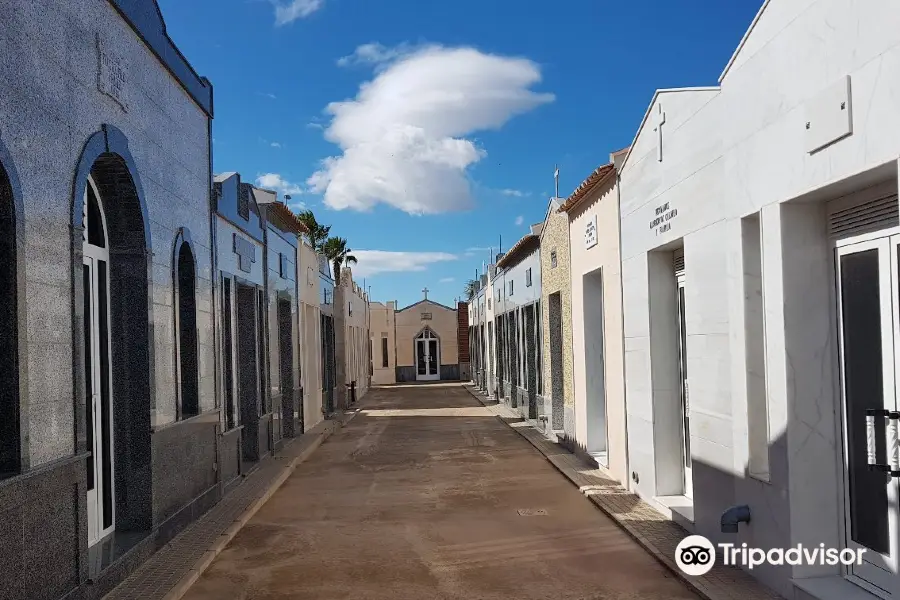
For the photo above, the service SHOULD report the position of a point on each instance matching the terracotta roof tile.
(506, 258)
(600, 174)
(289, 218)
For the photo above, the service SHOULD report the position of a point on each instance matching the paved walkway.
(425, 494)
(176, 566)
(657, 534)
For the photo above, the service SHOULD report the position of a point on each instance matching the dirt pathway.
(423, 496)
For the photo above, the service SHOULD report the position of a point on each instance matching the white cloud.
(275, 145)
(446, 280)
(402, 137)
(274, 181)
(373, 262)
(268, 95)
(315, 126)
(288, 12)
(520, 219)
(374, 54)
(514, 193)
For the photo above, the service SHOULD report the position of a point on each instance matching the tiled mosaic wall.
(555, 239)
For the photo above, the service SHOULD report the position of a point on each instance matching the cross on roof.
(425, 291)
(556, 182)
(660, 121)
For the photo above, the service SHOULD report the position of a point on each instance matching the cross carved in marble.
(660, 121)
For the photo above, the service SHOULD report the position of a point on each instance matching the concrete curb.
(182, 587)
(693, 584)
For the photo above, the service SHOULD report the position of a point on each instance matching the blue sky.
(450, 116)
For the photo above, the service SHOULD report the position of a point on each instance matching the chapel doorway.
(557, 385)
(286, 367)
(595, 365)
(532, 349)
(10, 431)
(682, 369)
(500, 342)
(329, 376)
(427, 349)
(515, 362)
(113, 312)
(97, 369)
(492, 383)
(868, 298)
(249, 398)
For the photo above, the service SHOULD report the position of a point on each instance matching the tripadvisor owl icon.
(695, 555)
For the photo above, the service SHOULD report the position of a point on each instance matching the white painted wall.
(311, 335)
(597, 340)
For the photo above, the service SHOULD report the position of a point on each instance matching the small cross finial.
(425, 291)
(556, 182)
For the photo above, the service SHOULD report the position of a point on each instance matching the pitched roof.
(284, 217)
(743, 41)
(289, 218)
(146, 19)
(506, 259)
(600, 174)
(656, 95)
(430, 301)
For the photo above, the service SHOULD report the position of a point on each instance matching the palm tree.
(317, 233)
(470, 289)
(335, 248)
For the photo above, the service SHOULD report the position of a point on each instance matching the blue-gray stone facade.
(102, 120)
(517, 310)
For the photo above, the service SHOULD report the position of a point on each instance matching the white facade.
(310, 334)
(743, 200)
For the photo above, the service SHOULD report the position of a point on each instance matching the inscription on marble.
(590, 232)
(111, 75)
(246, 252)
(662, 218)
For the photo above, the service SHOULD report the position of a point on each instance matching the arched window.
(99, 396)
(186, 328)
(10, 453)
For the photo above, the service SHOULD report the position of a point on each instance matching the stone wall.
(555, 237)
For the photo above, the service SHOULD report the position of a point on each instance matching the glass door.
(98, 401)
(427, 355)
(421, 366)
(685, 399)
(868, 303)
(432, 357)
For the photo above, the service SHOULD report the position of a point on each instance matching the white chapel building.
(761, 276)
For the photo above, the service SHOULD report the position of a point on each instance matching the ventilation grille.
(678, 261)
(863, 218)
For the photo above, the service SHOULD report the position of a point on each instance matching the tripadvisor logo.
(696, 555)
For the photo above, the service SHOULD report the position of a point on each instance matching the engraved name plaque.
(111, 74)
